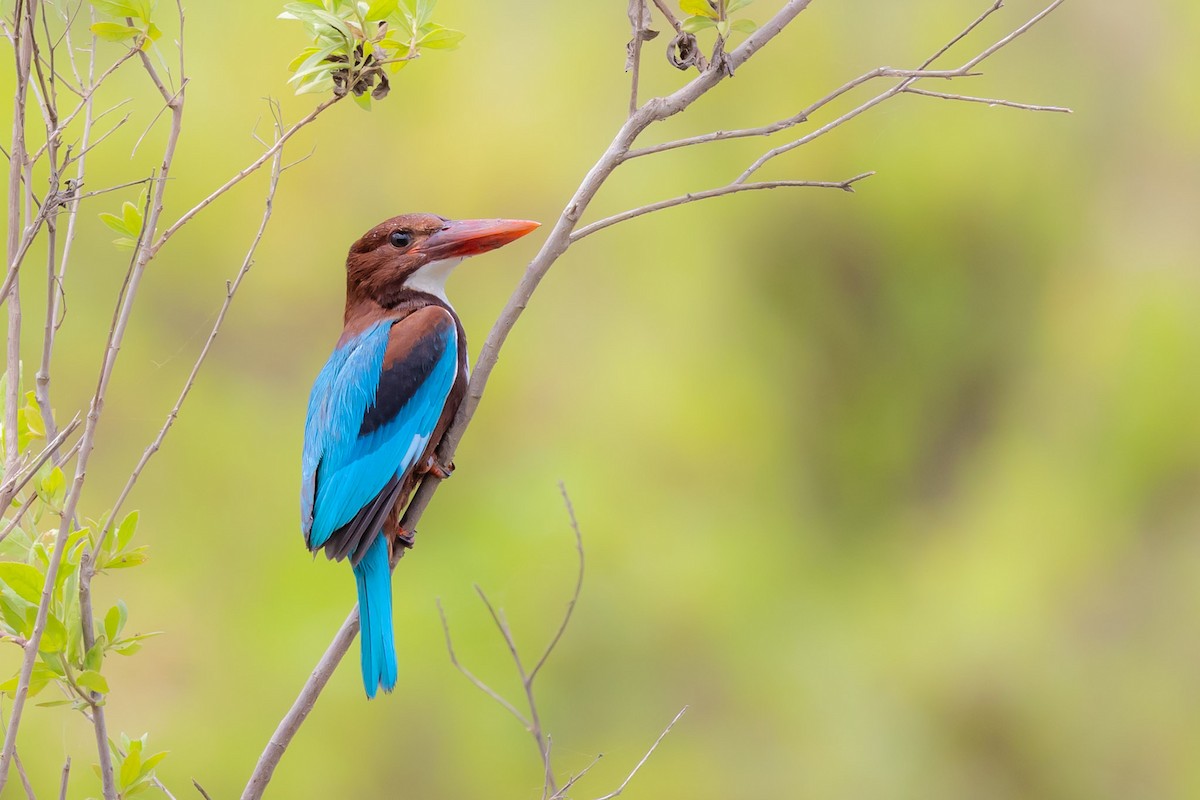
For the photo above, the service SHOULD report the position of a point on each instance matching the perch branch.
(558, 240)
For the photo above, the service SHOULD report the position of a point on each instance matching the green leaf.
(150, 762)
(130, 768)
(94, 660)
(117, 224)
(153, 32)
(441, 38)
(116, 8)
(301, 57)
(736, 5)
(12, 609)
(699, 8)
(24, 579)
(131, 216)
(133, 558)
(317, 83)
(379, 9)
(90, 679)
(114, 620)
(363, 101)
(38, 680)
(112, 32)
(335, 22)
(126, 648)
(697, 24)
(54, 663)
(53, 486)
(723, 28)
(125, 531)
(124, 243)
(746, 26)
(54, 636)
(53, 703)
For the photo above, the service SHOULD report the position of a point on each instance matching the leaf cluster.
(134, 25)
(716, 14)
(356, 44)
(64, 658)
(128, 224)
(134, 770)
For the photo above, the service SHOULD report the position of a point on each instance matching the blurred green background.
(899, 491)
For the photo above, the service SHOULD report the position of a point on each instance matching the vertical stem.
(23, 50)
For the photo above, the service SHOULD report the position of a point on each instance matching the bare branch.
(483, 687)
(239, 177)
(798, 118)
(535, 723)
(909, 80)
(562, 627)
(633, 61)
(230, 291)
(85, 101)
(987, 101)
(24, 778)
(17, 482)
(562, 792)
(846, 186)
(964, 33)
(200, 789)
(66, 778)
(646, 757)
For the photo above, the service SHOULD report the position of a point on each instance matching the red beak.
(470, 237)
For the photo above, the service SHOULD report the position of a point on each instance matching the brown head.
(417, 252)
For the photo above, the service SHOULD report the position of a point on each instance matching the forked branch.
(564, 233)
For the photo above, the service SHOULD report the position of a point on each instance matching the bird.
(382, 403)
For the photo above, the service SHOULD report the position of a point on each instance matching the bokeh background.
(898, 491)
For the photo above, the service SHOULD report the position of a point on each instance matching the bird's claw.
(437, 469)
(406, 539)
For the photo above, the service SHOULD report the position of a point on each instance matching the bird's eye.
(401, 238)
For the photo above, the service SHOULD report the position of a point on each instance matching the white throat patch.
(431, 278)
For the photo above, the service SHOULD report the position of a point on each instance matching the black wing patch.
(399, 382)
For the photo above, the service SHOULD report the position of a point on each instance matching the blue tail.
(375, 618)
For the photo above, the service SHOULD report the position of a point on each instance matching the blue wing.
(370, 415)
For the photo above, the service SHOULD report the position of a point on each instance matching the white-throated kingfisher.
(382, 403)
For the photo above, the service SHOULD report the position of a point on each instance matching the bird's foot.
(437, 469)
(406, 539)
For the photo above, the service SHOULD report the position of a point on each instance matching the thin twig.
(483, 687)
(535, 721)
(239, 177)
(230, 291)
(923, 72)
(18, 482)
(16, 518)
(562, 792)
(200, 789)
(24, 778)
(566, 620)
(633, 63)
(616, 792)
(66, 778)
(691, 197)
(85, 101)
(987, 101)
(797, 118)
